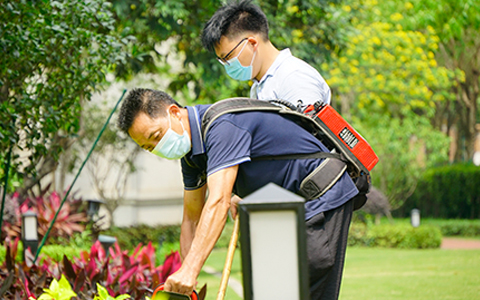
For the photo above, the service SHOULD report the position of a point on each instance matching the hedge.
(55, 252)
(455, 227)
(395, 236)
(130, 237)
(447, 192)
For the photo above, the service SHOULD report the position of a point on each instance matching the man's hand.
(183, 282)
(234, 206)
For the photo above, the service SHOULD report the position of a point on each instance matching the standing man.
(224, 161)
(238, 34)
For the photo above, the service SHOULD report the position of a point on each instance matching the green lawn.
(374, 273)
(411, 274)
(217, 261)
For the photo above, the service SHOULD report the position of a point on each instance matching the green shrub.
(455, 227)
(166, 249)
(357, 236)
(3, 252)
(18, 257)
(395, 236)
(130, 237)
(56, 252)
(405, 236)
(446, 192)
(448, 227)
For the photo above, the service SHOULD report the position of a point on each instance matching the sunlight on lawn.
(384, 274)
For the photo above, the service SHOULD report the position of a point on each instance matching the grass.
(387, 274)
(216, 261)
(373, 273)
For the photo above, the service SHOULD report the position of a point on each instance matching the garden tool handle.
(228, 261)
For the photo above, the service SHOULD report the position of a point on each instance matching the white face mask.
(173, 145)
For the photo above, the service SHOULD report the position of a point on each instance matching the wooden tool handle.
(228, 262)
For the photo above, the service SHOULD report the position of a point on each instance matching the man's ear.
(253, 40)
(174, 110)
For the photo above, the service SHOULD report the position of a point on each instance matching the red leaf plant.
(70, 219)
(119, 272)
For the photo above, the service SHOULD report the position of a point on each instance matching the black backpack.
(316, 119)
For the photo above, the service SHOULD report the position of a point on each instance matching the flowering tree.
(389, 85)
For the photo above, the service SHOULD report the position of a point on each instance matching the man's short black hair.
(232, 20)
(151, 102)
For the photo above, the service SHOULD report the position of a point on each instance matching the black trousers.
(327, 235)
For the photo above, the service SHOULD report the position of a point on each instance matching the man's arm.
(193, 202)
(210, 226)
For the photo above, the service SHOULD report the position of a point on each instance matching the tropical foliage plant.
(71, 217)
(118, 272)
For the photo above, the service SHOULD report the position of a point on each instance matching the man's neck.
(186, 121)
(266, 55)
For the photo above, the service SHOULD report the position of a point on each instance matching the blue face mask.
(235, 69)
(173, 145)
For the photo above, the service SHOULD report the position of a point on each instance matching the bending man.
(223, 163)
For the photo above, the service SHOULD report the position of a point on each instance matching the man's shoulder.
(294, 64)
(200, 108)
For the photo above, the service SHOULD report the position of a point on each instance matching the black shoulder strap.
(301, 156)
(233, 105)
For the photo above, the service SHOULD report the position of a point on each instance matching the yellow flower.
(379, 101)
(347, 8)
(396, 17)
(408, 5)
(376, 40)
(335, 71)
(292, 9)
(297, 33)
(332, 81)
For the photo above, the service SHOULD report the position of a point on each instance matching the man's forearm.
(207, 232)
(186, 237)
(193, 201)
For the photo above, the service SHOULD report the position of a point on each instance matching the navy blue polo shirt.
(236, 138)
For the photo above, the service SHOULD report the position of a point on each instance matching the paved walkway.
(459, 243)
